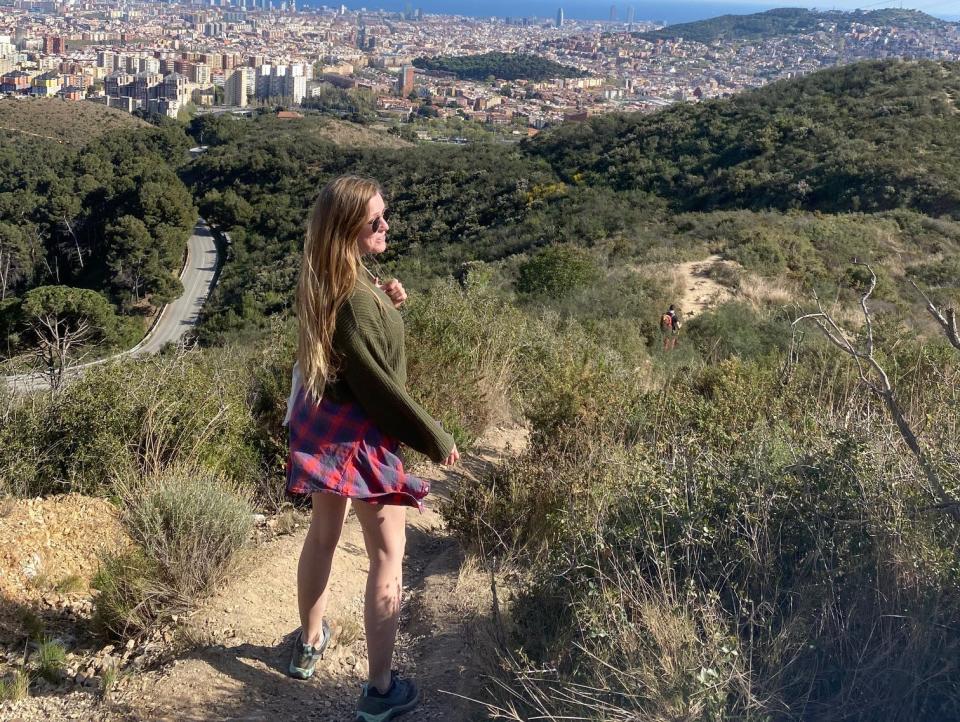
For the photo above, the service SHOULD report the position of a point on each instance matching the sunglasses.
(378, 221)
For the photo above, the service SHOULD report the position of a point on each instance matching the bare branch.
(863, 306)
(948, 323)
(867, 366)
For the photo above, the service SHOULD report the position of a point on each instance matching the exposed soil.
(236, 647)
(700, 291)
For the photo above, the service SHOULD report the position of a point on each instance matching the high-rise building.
(235, 89)
(629, 13)
(279, 81)
(613, 13)
(176, 87)
(200, 74)
(54, 45)
(560, 18)
(405, 81)
(145, 87)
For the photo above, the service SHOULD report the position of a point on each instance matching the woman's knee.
(326, 523)
(384, 532)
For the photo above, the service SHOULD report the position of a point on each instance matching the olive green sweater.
(368, 345)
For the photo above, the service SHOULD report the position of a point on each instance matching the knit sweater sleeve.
(359, 341)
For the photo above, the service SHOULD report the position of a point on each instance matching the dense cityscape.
(167, 58)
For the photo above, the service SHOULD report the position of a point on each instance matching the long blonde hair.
(328, 275)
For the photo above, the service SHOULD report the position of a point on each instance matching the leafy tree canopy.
(505, 66)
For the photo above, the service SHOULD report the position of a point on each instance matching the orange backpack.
(666, 322)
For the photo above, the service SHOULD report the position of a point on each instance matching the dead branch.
(875, 378)
(947, 322)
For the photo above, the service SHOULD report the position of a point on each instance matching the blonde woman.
(348, 413)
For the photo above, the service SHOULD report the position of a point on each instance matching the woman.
(348, 412)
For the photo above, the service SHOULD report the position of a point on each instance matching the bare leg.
(316, 559)
(385, 536)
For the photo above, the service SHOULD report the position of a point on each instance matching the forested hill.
(870, 136)
(503, 66)
(791, 21)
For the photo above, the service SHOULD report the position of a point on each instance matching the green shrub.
(50, 657)
(130, 596)
(745, 513)
(936, 274)
(189, 523)
(461, 350)
(15, 686)
(736, 329)
(557, 271)
(146, 413)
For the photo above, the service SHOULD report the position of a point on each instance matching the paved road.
(198, 277)
(176, 318)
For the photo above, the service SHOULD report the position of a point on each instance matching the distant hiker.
(670, 323)
(348, 412)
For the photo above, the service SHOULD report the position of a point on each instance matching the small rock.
(130, 644)
(108, 649)
(351, 660)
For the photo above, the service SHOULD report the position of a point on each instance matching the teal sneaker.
(402, 696)
(305, 656)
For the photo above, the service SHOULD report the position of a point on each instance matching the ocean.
(664, 12)
(661, 12)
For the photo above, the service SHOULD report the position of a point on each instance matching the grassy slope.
(68, 122)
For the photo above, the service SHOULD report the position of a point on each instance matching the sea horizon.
(660, 12)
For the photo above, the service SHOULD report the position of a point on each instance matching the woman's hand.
(452, 458)
(394, 290)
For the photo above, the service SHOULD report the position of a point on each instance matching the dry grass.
(762, 292)
(15, 687)
(68, 122)
(353, 135)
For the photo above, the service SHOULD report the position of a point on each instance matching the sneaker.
(305, 656)
(375, 706)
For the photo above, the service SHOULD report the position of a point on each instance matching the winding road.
(198, 278)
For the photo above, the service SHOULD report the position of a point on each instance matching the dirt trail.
(245, 631)
(700, 292)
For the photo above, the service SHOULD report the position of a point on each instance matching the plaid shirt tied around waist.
(337, 449)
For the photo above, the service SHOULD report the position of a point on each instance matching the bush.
(557, 271)
(130, 597)
(15, 687)
(668, 543)
(461, 349)
(188, 525)
(736, 329)
(50, 657)
(143, 413)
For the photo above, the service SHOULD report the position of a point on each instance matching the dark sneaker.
(377, 707)
(305, 656)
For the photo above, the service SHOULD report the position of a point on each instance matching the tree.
(131, 255)
(64, 321)
(15, 262)
(874, 377)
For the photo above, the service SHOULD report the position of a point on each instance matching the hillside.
(870, 136)
(503, 66)
(67, 122)
(863, 160)
(792, 21)
(92, 216)
(736, 521)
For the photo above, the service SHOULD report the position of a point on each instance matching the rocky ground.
(226, 659)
